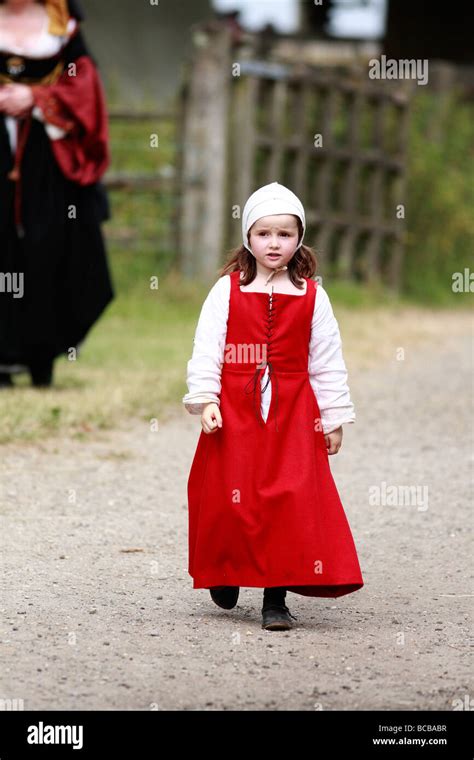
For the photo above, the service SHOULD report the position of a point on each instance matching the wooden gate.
(335, 137)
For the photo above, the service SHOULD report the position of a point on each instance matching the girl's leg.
(274, 595)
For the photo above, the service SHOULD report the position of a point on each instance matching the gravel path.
(98, 610)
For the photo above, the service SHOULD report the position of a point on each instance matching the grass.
(132, 365)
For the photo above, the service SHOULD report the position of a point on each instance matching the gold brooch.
(15, 66)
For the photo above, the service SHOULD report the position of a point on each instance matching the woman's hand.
(16, 99)
(211, 419)
(334, 440)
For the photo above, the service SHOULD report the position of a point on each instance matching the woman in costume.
(54, 277)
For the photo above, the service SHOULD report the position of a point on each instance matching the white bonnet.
(268, 200)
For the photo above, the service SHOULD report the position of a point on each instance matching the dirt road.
(98, 611)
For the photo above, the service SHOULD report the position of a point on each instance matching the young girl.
(269, 380)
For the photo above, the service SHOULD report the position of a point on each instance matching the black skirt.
(59, 268)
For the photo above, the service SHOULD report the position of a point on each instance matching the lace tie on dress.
(251, 386)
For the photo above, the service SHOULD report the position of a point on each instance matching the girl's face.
(273, 240)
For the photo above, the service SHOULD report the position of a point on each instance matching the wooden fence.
(134, 181)
(337, 139)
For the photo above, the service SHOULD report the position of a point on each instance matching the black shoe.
(225, 596)
(41, 373)
(276, 617)
(6, 380)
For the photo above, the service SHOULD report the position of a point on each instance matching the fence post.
(243, 147)
(400, 190)
(204, 157)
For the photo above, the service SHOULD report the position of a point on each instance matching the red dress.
(263, 506)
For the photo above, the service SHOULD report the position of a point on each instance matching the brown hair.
(303, 263)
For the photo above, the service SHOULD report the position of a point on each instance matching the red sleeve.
(77, 105)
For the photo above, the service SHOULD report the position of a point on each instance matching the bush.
(440, 197)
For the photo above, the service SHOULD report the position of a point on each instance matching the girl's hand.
(211, 419)
(16, 99)
(334, 440)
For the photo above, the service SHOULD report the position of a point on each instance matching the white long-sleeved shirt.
(326, 366)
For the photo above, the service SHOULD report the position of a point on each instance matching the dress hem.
(333, 590)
